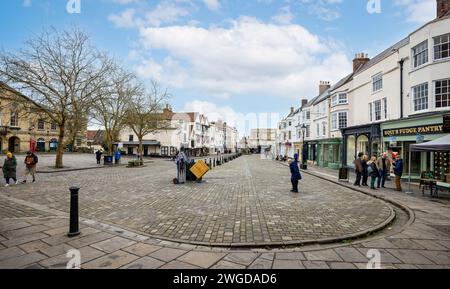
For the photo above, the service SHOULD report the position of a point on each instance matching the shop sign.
(415, 130)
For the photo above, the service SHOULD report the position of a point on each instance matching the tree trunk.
(60, 149)
(141, 151)
(109, 143)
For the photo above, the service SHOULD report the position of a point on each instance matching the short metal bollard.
(74, 218)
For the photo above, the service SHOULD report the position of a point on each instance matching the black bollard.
(74, 225)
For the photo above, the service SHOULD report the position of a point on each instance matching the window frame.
(420, 54)
(435, 58)
(377, 79)
(422, 104)
(447, 94)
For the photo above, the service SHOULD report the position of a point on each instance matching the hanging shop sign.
(415, 130)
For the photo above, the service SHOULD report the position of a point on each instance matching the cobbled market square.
(210, 135)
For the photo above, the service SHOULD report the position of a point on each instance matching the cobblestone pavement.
(244, 202)
(419, 239)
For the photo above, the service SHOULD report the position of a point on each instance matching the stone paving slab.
(237, 205)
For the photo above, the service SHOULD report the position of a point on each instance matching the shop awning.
(439, 145)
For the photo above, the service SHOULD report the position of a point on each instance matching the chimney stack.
(324, 86)
(304, 102)
(443, 6)
(360, 60)
(292, 109)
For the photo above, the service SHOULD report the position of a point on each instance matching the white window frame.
(420, 53)
(435, 94)
(336, 120)
(375, 110)
(377, 79)
(324, 129)
(440, 44)
(414, 96)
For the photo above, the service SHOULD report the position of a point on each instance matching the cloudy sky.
(228, 58)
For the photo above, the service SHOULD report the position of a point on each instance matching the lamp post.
(303, 147)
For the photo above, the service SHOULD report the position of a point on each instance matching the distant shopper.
(182, 162)
(10, 169)
(295, 174)
(31, 161)
(358, 169)
(365, 172)
(98, 156)
(373, 172)
(384, 167)
(117, 157)
(398, 171)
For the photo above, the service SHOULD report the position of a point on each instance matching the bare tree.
(109, 111)
(61, 71)
(145, 115)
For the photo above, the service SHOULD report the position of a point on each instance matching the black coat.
(374, 173)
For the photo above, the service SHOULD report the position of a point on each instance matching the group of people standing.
(10, 168)
(379, 170)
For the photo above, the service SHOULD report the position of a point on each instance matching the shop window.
(164, 151)
(351, 149)
(442, 93)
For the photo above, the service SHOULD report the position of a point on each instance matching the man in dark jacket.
(398, 171)
(98, 156)
(358, 169)
(31, 161)
(295, 174)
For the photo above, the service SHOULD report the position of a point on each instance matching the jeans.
(382, 178)
(358, 179)
(364, 180)
(372, 182)
(98, 161)
(294, 185)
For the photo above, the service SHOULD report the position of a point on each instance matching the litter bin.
(344, 175)
(108, 160)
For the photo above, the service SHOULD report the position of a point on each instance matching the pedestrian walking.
(10, 169)
(181, 161)
(31, 161)
(365, 173)
(384, 167)
(398, 171)
(358, 169)
(295, 174)
(373, 172)
(98, 156)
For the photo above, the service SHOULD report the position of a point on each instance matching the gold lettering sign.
(424, 129)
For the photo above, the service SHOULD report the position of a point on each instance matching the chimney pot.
(442, 7)
(360, 60)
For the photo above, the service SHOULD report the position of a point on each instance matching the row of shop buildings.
(397, 98)
(192, 131)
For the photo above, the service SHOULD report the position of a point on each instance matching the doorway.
(14, 145)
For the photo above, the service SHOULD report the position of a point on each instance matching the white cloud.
(247, 58)
(212, 5)
(285, 16)
(323, 9)
(419, 11)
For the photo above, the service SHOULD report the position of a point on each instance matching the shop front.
(311, 152)
(400, 134)
(364, 139)
(329, 153)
